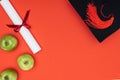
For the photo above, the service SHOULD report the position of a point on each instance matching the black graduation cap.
(101, 16)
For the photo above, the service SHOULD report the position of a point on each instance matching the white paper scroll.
(25, 33)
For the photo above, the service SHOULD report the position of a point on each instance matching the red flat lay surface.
(69, 50)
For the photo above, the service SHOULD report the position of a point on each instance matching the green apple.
(8, 42)
(8, 74)
(25, 62)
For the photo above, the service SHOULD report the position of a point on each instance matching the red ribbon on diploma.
(24, 23)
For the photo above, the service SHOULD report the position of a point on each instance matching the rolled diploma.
(25, 33)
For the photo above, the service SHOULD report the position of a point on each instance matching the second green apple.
(25, 62)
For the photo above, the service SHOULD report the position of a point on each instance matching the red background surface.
(69, 50)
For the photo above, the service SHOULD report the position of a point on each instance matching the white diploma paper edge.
(25, 33)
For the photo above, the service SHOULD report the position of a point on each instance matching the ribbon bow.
(24, 23)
